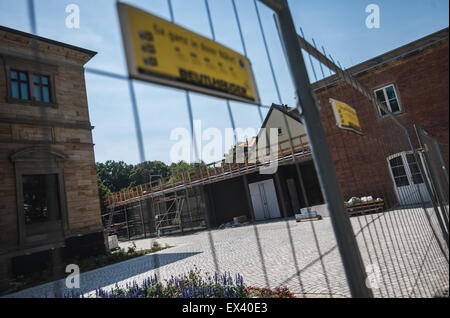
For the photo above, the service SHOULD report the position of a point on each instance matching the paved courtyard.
(398, 249)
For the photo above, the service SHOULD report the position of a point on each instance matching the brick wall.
(421, 81)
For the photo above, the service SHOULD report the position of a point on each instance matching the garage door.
(264, 200)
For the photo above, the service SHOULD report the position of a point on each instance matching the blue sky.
(337, 25)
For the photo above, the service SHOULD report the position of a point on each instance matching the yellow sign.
(346, 116)
(161, 52)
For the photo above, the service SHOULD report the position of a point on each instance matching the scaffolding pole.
(348, 247)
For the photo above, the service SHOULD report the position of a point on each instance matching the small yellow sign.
(346, 116)
(161, 52)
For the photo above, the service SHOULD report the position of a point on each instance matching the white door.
(264, 200)
(408, 181)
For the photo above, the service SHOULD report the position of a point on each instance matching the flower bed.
(191, 285)
(256, 292)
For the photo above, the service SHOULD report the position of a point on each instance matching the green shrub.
(156, 245)
(132, 248)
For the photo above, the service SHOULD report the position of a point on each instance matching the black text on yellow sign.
(162, 52)
(346, 116)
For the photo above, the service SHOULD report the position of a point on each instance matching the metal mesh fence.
(436, 159)
(398, 228)
(401, 233)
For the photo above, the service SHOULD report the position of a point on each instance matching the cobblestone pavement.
(404, 254)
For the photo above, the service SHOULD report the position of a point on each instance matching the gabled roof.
(248, 143)
(289, 111)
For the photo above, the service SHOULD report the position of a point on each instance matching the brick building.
(412, 81)
(48, 191)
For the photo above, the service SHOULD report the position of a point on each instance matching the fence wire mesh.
(401, 228)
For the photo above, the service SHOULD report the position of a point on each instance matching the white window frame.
(388, 104)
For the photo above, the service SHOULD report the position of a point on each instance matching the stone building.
(49, 200)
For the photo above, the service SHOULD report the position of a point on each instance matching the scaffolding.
(295, 149)
(168, 210)
(177, 204)
(165, 213)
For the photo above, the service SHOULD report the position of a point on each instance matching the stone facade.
(45, 137)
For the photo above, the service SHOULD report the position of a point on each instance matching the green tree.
(182, 166)
(103, 192)
(179, 167)
(141, 172)
(115, 175)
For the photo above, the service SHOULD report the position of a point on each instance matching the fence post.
(442, 217)
(348, 247)
(126, 221)
(142, 218)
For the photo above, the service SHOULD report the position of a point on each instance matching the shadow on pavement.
(105, 276)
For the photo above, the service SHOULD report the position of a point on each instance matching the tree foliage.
(143, 172)
(103, 192)
(115, 175)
